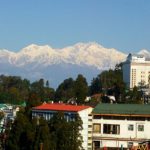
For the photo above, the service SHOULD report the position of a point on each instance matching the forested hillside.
(15, 90)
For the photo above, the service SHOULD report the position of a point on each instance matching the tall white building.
(136, 70)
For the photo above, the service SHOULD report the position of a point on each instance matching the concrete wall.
(84, 114)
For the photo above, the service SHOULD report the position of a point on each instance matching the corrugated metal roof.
(61, 107)
(123, 109)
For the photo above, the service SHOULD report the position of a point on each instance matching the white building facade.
(120, 125)
(48, 110)
(136, 71)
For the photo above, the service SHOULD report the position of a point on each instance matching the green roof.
(122, 109)
(3, 106)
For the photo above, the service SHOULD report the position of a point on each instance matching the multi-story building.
(120, 125)
(47, 110)
(136, 70)
(9, 113)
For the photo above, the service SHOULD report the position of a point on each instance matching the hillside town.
(115, 114)
(74, 75)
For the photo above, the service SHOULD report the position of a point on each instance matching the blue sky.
(120, 24)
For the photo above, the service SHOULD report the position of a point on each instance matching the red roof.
(61, 107)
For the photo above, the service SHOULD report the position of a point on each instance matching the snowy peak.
(34, 61)
(89, 45)
(92, 54)
(35, 54)
(34, 50)
(89, 54)
(145, 53)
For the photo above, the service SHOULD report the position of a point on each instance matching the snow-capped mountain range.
(34, 62)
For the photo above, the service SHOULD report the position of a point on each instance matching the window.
(89, 126)
(140, 127)
(96, 117)
(97, 128)
(96, 145)
(111, 129)
(114, 117)
(130, 127)
(136, 118)
(72, 117)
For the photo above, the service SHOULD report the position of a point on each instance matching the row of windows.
(48, 116)
(107, 128)
(113, 128)
(142, 72)
(131, 127)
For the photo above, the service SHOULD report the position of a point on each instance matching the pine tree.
(81, 89)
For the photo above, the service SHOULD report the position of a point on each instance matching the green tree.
(81, 89)
(47, 84)
(134, 96)
(75, 142)
(58, 126)
(42, 135)
(15, 95)
(32, 101)
(49, 94)
(26, 134)
(13, 89)
(65, 90)
(45, 93)
(110, 82)
(21, 135)
(65, 135)
(96, 86)
(38, 88)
